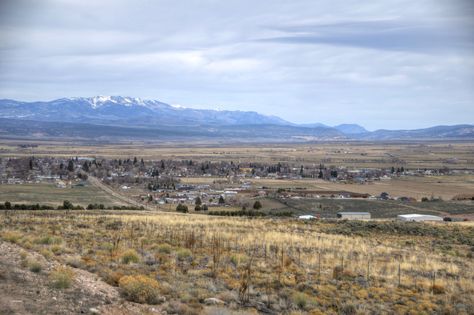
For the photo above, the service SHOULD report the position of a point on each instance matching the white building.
(418, 217)
(307, 217)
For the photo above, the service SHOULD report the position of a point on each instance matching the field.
(388, 209)
(454, 154)
(354, 155)
(158, 261)
(49, 194)
(192, 264)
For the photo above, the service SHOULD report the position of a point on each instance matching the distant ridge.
(118, 117)
(127, 111)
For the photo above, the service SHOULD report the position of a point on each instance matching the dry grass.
(286, 265)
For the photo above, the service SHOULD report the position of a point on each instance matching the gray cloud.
(394, 34)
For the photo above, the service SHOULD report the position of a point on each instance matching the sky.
(382, 64)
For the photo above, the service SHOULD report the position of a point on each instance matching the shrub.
(257, 205)
(183, 253)
(348, 309)
(140, 289)
(74, 261)
(61, 277)
(114, 225)
(48, 240)
(300, 299)
(11, 236)
(164, 249)
(182, 208)
(438, 289)
(34, 266)
(338, 272)
(130, 256)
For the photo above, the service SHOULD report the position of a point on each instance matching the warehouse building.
(353, 215)
(418, 217)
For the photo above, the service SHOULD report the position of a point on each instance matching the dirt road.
(97, 183)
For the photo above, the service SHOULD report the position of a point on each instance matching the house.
(60, 184)
(353, 215)
(418, 217)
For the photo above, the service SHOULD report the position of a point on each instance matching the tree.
(135, 161)
(182, 208)
(197, 208)
(85, 166)
(204, 207)
(392, 170)
(257, 205)
(67, 205)
(8, 205)
(221, 200)
(31, 163)
(198, 201)
(70, 166)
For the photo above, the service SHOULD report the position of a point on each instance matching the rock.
(93, 310)
(213, 301)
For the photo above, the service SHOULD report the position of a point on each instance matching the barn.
(354, 215)
(418, 217)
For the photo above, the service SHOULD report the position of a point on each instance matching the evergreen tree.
(221, 200)
(70, 166)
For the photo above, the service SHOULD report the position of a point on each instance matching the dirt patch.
(25, 292)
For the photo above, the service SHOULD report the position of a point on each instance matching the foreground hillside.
(191, 264)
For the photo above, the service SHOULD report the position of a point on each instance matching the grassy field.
(328, 208)
(445, 187)
(260, 265)
(351, 154)
(49, 194)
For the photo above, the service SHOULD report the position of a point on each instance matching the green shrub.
(164, 249)
(130, 256)
(35, 266)
(183, 253)
(300, 299)
(61, 277)
(182, 208)
(140, 289)
(48, 240)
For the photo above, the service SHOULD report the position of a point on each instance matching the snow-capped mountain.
(129, 111)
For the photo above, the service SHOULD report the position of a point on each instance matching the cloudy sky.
(383, 64)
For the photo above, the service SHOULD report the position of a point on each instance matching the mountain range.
(122, 118)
